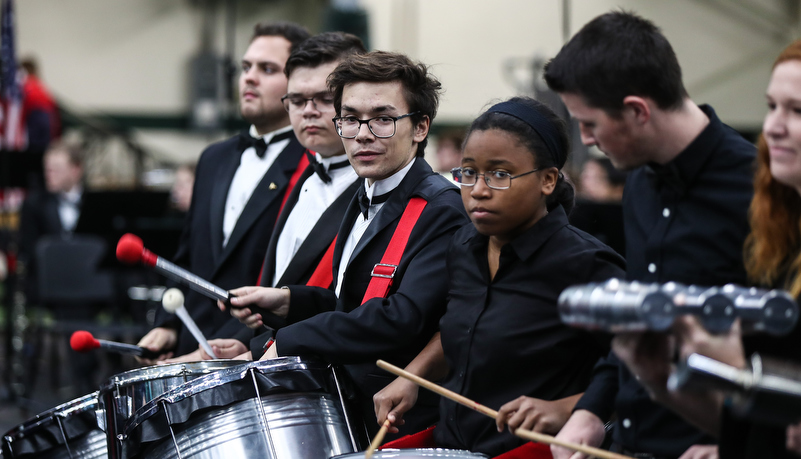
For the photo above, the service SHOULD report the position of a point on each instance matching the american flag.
(13, 135)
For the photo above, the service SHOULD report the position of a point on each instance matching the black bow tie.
(246, 141)
(319, 168)
(364, 203)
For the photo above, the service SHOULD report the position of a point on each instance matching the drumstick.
(522, 433)
(379, 437)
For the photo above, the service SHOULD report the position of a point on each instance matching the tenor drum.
(278, 409)
(123, 394)
(67, 431)
(415, 453)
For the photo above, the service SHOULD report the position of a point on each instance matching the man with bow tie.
(240, 186)
(388, 295)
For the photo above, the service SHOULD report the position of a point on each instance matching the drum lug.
(100, 414)
(125, 407)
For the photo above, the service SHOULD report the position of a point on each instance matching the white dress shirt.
(247, 177)
(69, 208)
(314, 199)
(360, 225)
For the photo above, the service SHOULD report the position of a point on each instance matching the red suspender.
(293, 180)
(323, 275)
(302, 165)
(384, 272)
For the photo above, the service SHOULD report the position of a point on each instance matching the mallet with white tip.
(173, 302)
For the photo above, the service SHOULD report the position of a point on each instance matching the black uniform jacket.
(38, 217)
(395, 328)
(305, 261)
(317, 242)
(201, 248)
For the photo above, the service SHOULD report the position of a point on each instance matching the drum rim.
(78, 405)
(171, 370)
(218, 378)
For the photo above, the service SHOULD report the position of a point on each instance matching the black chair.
(67, 271)
(71, 286)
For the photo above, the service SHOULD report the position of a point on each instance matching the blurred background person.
(600, 181)
(449, 151)
(181, 190)
(599, 209)
(39, 109)
(54, 210)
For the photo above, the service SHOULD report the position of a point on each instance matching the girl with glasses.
(501, 342)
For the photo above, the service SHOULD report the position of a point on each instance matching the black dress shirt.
(685, 221)
(503, 337)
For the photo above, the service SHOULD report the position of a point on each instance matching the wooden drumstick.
(522, 433)
(379, 437)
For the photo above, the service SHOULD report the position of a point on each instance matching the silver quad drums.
(66, 431)
(126, 392)
(415, 453)
(276, 409)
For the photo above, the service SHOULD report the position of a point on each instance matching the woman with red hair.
(773, 249)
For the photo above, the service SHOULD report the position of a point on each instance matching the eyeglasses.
(382, 126)
(294, 103)
(497, 180)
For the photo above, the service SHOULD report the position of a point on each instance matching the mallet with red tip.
(83, 341)
(131, 250)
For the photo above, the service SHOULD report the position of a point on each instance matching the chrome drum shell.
(282, 408)
(123, 394)
(67, 431)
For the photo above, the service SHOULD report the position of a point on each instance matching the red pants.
(425, 439)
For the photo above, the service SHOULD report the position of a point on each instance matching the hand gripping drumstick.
(173, 302)
(131, 250)
(522, 433)
(83, 341)
(379, 437)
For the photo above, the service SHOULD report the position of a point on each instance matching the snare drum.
(66, 431)
(282, 408)
(416, 453)
(126, 392)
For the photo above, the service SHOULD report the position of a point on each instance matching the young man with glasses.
(385, 104)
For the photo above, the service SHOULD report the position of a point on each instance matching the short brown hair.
(322, 49)
(421, 89)
(615, 55)
(295, 34)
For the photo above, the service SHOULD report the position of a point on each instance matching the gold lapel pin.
(273, 186)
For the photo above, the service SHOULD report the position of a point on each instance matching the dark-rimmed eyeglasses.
(382, 126)
(294, 103)
(497, 180)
